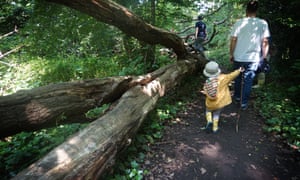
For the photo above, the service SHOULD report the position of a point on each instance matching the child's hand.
(242, 69)
(203, 92)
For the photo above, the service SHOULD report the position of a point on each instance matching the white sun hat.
(211, 69)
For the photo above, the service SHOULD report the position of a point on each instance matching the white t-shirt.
(250, 33)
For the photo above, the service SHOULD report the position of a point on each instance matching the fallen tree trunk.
(55, 104)
(88, 153)
(62, 103)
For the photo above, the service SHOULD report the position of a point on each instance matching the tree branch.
(10, 33)
(10, 51)
(114, 14)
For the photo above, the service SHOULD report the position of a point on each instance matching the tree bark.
(62, 103)
(55, 104)
(88, 153)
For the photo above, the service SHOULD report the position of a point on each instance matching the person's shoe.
(237, 100)
(256, 86)
(244, 107)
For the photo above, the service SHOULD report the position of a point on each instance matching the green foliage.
(281, 114)
(55, 31)
(14, 13)
(97, 112)
(19, 151)
(37, 71)
(74, 69)
(285, 26)
(18, 75)
(134, 66)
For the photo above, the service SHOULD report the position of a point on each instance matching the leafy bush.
(281, 114)
(35, 72)
(21, 150)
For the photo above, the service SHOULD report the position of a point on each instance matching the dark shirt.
(201, 29)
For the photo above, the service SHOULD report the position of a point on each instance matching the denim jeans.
(243, 83)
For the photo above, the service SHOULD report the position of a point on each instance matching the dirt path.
(188, 153)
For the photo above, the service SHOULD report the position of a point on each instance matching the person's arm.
(232, 47)
(196, 32)
(265, 47)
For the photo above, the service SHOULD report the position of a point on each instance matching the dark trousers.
(199, 44)
(244, 81)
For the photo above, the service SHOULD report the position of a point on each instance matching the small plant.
(97, 112)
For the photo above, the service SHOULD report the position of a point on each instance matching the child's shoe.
(215, 127)
(208, 126)
(208, 121)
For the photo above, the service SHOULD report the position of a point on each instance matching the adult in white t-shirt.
(248, 44)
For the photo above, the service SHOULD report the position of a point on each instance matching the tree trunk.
(62, 103)
(91, 151)
(55, 104)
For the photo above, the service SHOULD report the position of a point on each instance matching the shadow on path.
(188, 153)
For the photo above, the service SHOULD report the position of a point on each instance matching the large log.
(88, 153)
(47, 106)
(62, 103)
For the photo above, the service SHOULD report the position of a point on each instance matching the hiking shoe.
(237, 100)
(256, 86)
(244, 107)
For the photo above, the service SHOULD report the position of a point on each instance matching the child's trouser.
(212, 118)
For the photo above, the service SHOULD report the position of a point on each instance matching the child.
(217, 92)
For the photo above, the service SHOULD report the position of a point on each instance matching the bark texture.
(47, 106)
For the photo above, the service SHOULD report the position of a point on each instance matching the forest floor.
(186, 152)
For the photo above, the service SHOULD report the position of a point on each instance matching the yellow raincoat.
(223, 97)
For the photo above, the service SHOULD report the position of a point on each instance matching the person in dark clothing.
(200, 34)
